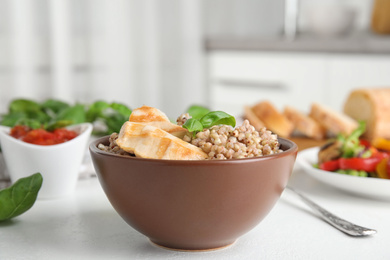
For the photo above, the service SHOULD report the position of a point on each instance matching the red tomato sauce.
(41, 136)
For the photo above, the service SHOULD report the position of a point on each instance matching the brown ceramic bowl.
(193, 205)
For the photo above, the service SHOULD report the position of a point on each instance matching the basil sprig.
(210, 119)
(20, 197)
(197, 111)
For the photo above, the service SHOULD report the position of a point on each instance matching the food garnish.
(208, 120)
(197, 111)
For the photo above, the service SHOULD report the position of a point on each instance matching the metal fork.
(339, 223)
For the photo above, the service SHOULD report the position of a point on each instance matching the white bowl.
(59, 164)
(330, 19)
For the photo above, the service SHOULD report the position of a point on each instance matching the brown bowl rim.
(292, 148)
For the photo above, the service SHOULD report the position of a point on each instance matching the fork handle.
(337, 222)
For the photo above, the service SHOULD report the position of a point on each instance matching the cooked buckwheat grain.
(226, 142)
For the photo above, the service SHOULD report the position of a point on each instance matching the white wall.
(131, 51)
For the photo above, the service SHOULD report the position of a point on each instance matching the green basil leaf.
(111, 115)
(38, 115)
(30, 109)
(114, 122)
(31, 123)
(23, 105)
(217, 118)
(12, 118)
(75, 113)
(121, 109)
(54, 105)
(20, 197)
(95, 110)
(197, 111)
(21, 109)
(193, 125)
(58, 124)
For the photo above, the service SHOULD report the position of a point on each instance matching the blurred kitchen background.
(173, 53)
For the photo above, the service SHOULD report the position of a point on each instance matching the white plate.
(362, 186)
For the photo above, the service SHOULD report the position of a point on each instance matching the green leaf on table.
(20, 197)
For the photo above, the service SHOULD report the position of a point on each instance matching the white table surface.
(85, 226)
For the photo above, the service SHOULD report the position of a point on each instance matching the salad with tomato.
(349, 154)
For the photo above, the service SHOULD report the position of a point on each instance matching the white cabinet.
(356, 71)
(239, 78)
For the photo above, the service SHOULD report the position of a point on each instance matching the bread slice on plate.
(373, 107)
(147, 141)
(335, 122)
(252, 118)
(273, 119)
(157, 118)
(305, 124)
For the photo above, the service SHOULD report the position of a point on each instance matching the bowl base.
(193, 250)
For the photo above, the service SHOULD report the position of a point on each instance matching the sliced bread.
(305, 124)
(273, 119)
(373, 107)
(335, 122)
